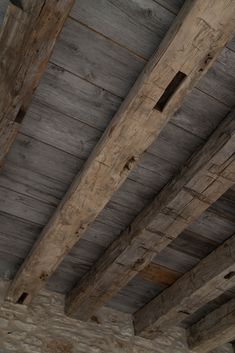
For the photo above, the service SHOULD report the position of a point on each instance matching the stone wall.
(43, 328)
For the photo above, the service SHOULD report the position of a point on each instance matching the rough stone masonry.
(43, 328)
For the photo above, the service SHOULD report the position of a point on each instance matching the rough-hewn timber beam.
(210, 278)
(208, 174)
(197, 36)
(27, 39)
(215, 329)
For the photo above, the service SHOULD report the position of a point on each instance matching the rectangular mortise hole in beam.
(22, 298)
(170, 90)
(20, 116)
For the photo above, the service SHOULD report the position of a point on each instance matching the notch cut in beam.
(170, 90)
(135, 126)
(215, 329)
(27, 39)
(206, 176)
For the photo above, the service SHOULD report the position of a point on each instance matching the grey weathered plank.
(127, 22)
(220, 81)
(174, 208)
(193, 244)
(231, 44)
(176, 260)
(215, 329)
(135, 295)
(59, 130)
(225, 206)
(27, 39)
(62, 91)
(25, 207)
(221, 230)
(196, 288)
(171, 5)
(96, 59)
(3, 8)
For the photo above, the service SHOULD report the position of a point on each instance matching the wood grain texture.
(27, 39)
(211, 277)
(133, 129)
(215, 329)
(182, 201)
(144, 22)
(159, 274)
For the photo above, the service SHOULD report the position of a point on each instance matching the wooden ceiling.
(110, 191)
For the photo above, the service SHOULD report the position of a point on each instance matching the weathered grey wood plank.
(25, 207)
(59, 130)
(27, 39)
(231, 44)
(225, 206)
(171, 5)
(96, 59)
(174, 208)
(176, 260)
(3, 8)
(220, 81)
(214, 330)
(193, 244)
(62, 91)
(139, 26)
(135, 295)
(221, 230)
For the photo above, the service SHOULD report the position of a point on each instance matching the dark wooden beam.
(27, 39)
(214, 330)
(197, 36)
(208, 174)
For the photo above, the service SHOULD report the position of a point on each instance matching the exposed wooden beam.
(196, 38)
(210, 278)
(215, 329)
(208, 174)
(27, 39)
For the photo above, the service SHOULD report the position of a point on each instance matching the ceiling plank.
(215, 329)
(197, 36)
(159, 274)
(207, 175)
(211, 277)
(27, 39)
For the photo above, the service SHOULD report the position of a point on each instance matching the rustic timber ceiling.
(117, 154)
